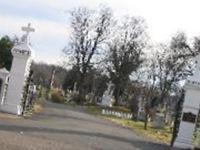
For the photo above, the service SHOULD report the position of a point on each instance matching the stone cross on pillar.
(27, 29)
(18, 74)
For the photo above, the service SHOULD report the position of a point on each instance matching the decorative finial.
(27, 29)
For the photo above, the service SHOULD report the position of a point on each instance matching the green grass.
(70, 104)
(120, 109)
(97, 110)
(159, 135)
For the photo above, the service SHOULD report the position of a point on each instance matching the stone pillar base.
(11, 108)
(183, 143)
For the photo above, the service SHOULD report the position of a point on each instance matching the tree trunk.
(146, 121)
(81, 88)
(116, 95)
(146, 117)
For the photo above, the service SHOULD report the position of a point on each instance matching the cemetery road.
(59, 128)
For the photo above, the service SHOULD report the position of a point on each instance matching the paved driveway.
(59, 128)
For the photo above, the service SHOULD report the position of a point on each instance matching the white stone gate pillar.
(190, 110)
(19, 71)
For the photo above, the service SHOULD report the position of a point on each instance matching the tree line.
(121, 49)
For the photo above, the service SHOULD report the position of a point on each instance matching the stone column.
(190, 111)
(16, 84)
(19, 72)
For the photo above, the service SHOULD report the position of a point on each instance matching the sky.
(51, 20)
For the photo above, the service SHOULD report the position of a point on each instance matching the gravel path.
(58, 128)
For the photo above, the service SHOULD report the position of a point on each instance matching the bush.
(77, 98)
(57, 97)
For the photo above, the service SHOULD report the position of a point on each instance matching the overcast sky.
(49, 18)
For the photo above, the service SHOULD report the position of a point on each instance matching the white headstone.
(107, 99)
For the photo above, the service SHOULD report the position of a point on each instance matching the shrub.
(57, 97)
(77, 98)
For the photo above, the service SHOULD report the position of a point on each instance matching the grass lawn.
(159, 135)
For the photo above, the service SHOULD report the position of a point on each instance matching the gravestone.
(116, 114)
(19, 72)
(141, 110)
(75, 90)
(159, 121)
(107, 99)
(31, 95)
(190, 110)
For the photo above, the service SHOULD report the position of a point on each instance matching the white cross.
(27, 29)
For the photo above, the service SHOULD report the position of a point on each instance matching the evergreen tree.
(6, 45)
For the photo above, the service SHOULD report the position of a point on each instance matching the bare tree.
(146, 77)
(150, 89)
(174, 64)
(168, 66)
(125, 52)
(89, 33)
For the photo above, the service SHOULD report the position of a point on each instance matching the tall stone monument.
(190, 110)
(19, 71)
(107, 99)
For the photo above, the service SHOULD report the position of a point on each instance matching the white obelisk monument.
(19, 71)
(190, 110)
